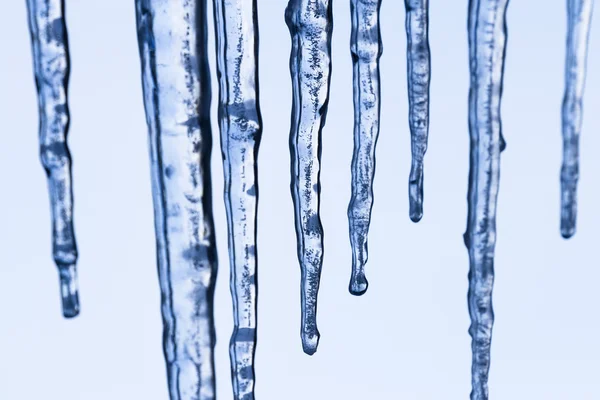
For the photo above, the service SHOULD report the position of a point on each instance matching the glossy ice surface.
(487, 46)
(579, 14)
(51, 65)
(419, 76)
(176, 83)
(311, 24)
(241, 129)
(366, 49)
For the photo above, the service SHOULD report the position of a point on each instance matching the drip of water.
(487, 45)
(366, 49)
(51, 64)
(241, 130)
(579, 18)
(311, 24)
(176, 83)
(419, 76)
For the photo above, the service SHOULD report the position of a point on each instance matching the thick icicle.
(176, 83)
(241, 129)
(311, 24)
(419, 75)
(366, 49)
(487, 43)
(579, 20)
(51, 65)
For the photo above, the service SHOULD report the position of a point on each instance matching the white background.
(407, 337)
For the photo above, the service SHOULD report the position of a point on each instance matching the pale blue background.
(407, 337)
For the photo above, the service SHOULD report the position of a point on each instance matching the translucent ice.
(579, 19)
(311, 24)
(51, 64)
(487, 45)
(241, 129)
(176, 83)
(366, 49)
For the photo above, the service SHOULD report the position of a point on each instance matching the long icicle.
(311, 24)
(176, 82)
(487, 45)
(579, 21)
(419, 76)
(366, 49)
(240, 120)
(51, 64)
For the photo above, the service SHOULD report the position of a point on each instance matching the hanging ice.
(311, 24)
(176, 83)
(487, 44)
(51, 64)
(366, 50)
(241, 130)
(579, 20)
(419, 74)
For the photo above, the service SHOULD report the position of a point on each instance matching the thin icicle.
(241, 129)
(487, 43)
(176, 82)
(579, 21)
(51, 65)
(366, 49)
(419, 75)
(311, 24)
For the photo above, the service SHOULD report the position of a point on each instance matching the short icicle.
(172, 39)
(366, 49)
(51, 65)
(241, 129)
(579, 20)
(419, 75)
(487, 44)
(311, 24)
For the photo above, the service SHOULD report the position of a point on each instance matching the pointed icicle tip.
(567, 229)
(69, 291)
(310, 342)
(415, 191)
(358, 284)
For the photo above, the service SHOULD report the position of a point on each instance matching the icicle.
(419, 75)
(176, 82)
(311, 24)
(366, 50)
(51, 65)
(487, 43)
(579, 20)
(241, 129)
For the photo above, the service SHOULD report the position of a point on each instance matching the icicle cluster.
(172, 38)
(51, 65)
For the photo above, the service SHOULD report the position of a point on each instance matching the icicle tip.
(358, 284)
(310, 342)
(567, 229)
(69, 290)
(415, 190)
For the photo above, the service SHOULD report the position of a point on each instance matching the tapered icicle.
(176, 83)
(366, 49)
(311, 24)
(51, 65)
(419, 75)
(241, 129)
(487, 43)
(579, 21)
